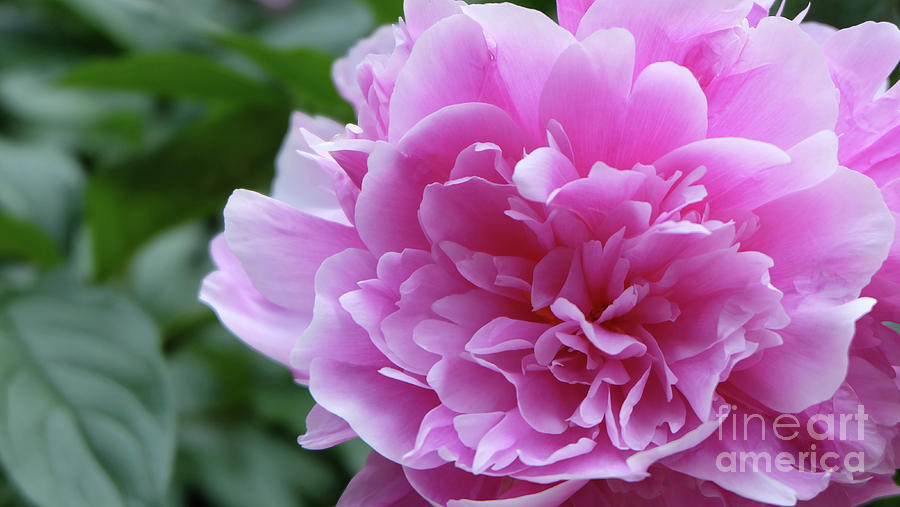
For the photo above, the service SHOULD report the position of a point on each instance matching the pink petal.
(768, 486)
(861, 60)
(459, 126)
(467, 387)
(386, 209)
(333, 333)
(358, 395)
(503, 334)
(667, 29)
(380, 483)
(324, 430)
(281, 248)
(451, 486)
(542, 172)
(828, 239)
(344, 72)
(570, 12)
(812, 360)
(666, 109)
(421, 15)
(301, 179)
(450, 64)
(544, 403)
(261, 324)
(779, 91)
(591, 80)
(472, 213)
(526, 43)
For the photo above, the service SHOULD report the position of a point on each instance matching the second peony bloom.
(602, 262)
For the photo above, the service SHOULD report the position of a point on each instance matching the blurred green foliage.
(124, 126)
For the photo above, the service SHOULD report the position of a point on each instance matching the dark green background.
(124, 126)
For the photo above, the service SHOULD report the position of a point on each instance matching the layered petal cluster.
(551, 262)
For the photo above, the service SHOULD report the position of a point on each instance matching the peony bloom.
(590, 263)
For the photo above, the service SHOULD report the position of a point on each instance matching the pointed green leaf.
(86, 415)
(188, 75)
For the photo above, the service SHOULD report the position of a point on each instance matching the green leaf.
(353, 454)
(305, 73)
(240, 414)
(20, 239)
(843, 14)
(240, 465)
(333, 26)
(386, 11)
(136, 24)
(8, 496)
(86, 416)
(78, 119)
(190, 176)
(174, 74)
(40, 193)
(40, 185)
(166, 273)
(222, 376)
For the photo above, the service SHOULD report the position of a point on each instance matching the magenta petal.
(324, 430)
(380, 483)
(437, 437)
(333, 332)
(591, 80)
(358, 395)
(759, 11)
(450, 64)
(468, 388)
(503, 334)
(483, 160)
(345, 70)
(664, 29)
(816, 237)
(460, 126)
(303, 178)
(542, 172)
(386, 209)
(526, 44)
(421, 15)
(861, 60)
(729, 162)
(504, 275)
(780, 90)
(544, 412)
(440, 337)
(768, 486)
(472, 213)
(473, 427)
(451, 486)
(476, 308)
(281, 248)
(666, 109)
(570, 12)
(261, 324)
(813, 357)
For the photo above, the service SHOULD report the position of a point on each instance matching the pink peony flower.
(593, 263)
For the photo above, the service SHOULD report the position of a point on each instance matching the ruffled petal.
(260, 323)
(280, 247)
